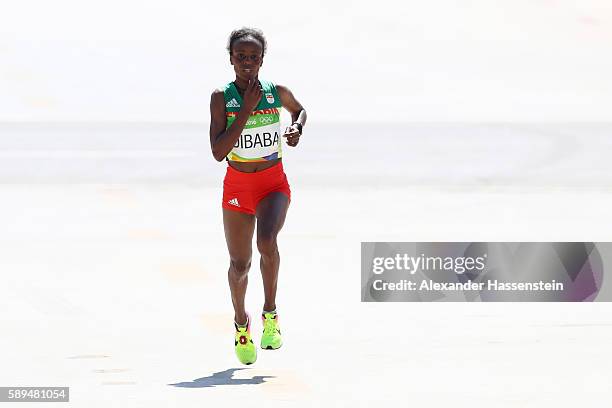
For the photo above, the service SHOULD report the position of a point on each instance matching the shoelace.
(270, 326)
(242, 331)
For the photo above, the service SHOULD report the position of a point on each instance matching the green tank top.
(260, 139)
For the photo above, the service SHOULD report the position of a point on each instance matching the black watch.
(299, 125)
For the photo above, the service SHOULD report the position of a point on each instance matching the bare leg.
(270, 213)
(239, 228)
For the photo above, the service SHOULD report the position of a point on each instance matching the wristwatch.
(299, 126)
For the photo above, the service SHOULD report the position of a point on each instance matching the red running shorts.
(243, 191)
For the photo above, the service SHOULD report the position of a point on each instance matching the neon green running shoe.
(245, 348)
(271, 337)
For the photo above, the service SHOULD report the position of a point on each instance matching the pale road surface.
(113, 268)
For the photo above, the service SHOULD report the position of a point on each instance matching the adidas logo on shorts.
(232, 104)
(234, 201)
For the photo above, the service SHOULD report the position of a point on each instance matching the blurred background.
(435, 93)
(358, 61)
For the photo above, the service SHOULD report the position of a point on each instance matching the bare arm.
(222, 140)
(297, 111)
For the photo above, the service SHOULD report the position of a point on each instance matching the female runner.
(245, 130)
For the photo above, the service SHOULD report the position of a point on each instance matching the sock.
(265, 311)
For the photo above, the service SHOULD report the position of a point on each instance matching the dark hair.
(246, 32)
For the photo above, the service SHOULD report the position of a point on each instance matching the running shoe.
(271, 338)
(245, 348)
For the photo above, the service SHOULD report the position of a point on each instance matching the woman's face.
(247, 58)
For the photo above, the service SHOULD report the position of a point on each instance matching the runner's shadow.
(223, 378)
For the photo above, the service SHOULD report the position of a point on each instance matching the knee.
(266, 244)
(239, 268)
